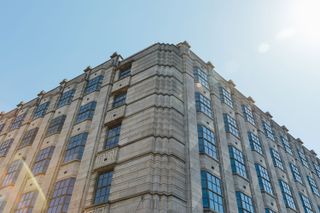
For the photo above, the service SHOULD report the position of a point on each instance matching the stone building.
(160, 131)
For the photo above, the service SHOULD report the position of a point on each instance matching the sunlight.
(306, 17)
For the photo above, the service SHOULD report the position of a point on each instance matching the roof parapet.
(231, 83)
(268, 114)
(250, 99)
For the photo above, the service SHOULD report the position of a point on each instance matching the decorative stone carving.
(106, 158)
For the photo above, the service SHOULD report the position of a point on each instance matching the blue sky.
(270, 49)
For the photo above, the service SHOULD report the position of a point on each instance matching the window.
(317, 168)
(244, 202)
(75, 147)
(5, 146)
(65, 98)
(200, 77)
(119, 100)
(225, 97)
(26, 202)
(255, 143)
(212, 197)
(112, 138)
(203, 104)
(286, 145)
(287, 195)
(207, 142)
(41, 110)
(237, 162)
(93, 85)
(264, 179)
(86, 112)
(42, 160)
(313, 186)
(61, 196)
(16, 123)
(1, 127)
(55, 125)
(230, 125)
(295, 173)
(268, 131)
(306, 204)
(248, 114)
(103, 186)
(269, 211)
(277, 162)
(28, 137)
(124, 73)
(12, 173)
(303, 158)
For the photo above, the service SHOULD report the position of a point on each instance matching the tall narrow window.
(245, 204)
(59, 202)
(200, 77)
(124, 73)
(41, 110)
(296, 173)
(255, 143)
(113, 135)
(203, 104)
(65, 98)
(306, 203)
(317, 168)
(230, 125)
(55, 125)
(28, 137)
(225, 97)
(212, 197)
(269, 211)
(264, 179)
(5, 146)
(277, 162)
(287, 195)
(103, 186)
(313, 186)
(26, 202)
(12, 173)
(16, 123)
(75, 147)
(248, 114)
(237, 162)
(303, 158)
(93, 85)
(86, 112)
(207, 142)
(119, 100)
(268, 131)
(42, 160)
(286, 145)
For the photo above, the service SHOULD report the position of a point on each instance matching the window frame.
(42, 160)
(238, 162)
(203, 104)
(212, 192)
(244, 203)
(207, 142)
(106, 187)
(264, 179)
(93, 85)
(201, 77)
(86, 112)
(75, 148)
(231, 125)
(65, 98)
(41, 110)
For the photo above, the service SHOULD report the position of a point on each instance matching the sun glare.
(306, 18)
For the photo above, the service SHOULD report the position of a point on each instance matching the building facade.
(160, 131)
